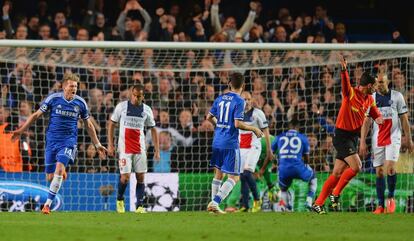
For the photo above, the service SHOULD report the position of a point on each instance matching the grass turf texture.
(100, 226)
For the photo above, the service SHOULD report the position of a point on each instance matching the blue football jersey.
(227, 108)
(291, 145)
(64, 115)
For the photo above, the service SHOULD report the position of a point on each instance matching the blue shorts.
(57, 152)
(287, 174)
(226, 160)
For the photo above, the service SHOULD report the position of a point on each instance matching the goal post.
(181, 81)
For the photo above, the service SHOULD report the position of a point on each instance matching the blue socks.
(380, 184)
(391, 181)
(140, 191)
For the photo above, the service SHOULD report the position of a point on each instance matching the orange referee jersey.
(355, 106)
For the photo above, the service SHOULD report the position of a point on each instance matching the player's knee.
(337, 173)
(356, 168)
(49, 177)
(140, 177)
(380, 172)
(124, 179)
(235, 178)
(391, 171)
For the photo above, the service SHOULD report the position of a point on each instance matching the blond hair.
(70, 76)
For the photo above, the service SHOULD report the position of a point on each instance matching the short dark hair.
(236, 80)
(367, 79)
(138, 87)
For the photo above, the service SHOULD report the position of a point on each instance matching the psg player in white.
(386, 140)
(132, 116)
(250, 149)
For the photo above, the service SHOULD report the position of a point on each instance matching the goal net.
(181, 80)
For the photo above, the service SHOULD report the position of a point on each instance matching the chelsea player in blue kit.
(292, 146)
(227, 115)
(62, 133)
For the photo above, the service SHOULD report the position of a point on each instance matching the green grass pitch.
(100, 226)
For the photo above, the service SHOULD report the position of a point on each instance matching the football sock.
(54, 188)
(329, 184)
(313, 183)
(140, 191)
(224, 190)
(252, 184)
(380, 185)
(391, 181)
(244, 191)
(346, 176)
(284, 195)
(121, 190)
(215, 186)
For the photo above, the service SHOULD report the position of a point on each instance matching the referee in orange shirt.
(357, 103)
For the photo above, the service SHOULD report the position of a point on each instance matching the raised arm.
(146, 17)
(345, 81)
(215, 21)
(249, 22)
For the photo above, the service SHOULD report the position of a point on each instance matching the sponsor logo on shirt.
(66, 113)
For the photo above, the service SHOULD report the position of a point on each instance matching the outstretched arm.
(243, 126)
(32, 118)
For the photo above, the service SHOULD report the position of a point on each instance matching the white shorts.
(385, 153)
(249, 158)
(129, 163)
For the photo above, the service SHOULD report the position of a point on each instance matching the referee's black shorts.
(345, 143)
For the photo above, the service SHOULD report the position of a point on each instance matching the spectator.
(166, 153)
(44, 32)
(322, 23)
(129, 26)
(63, 33)
(10, 156)
(317, 158)
(229, 27)
(340, 34)
(280, 35)
(33, 27)
(82, 34)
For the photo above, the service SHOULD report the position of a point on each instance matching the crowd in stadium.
(180, 100)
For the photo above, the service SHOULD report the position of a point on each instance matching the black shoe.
(318, 209)
(335, 204)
